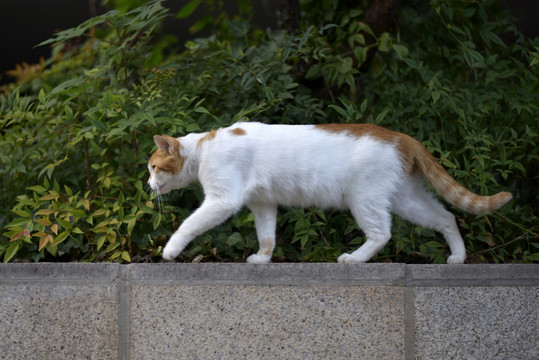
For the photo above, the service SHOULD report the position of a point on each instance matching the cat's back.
(311, 146)
(278, 131)
(323, 137)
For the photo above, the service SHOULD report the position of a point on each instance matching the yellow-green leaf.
(65, 224)
(22, 213)
(45, 212)
(78, 231)
(38, 189)
(101, 241)
(125, 256)
(131, 224)
(112, 246)
(11, 251)
(100, 212)
(60, 238)
(111, 236)
(44, 221)
(53, 195)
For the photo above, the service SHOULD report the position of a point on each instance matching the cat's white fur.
(371, 171)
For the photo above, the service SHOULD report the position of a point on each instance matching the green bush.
(77, 131)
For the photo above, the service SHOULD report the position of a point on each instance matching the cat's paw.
(456, 259)
(348, 259)
(258, 259)
(170, 252)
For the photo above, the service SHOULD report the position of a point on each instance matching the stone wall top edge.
(282, 273)
(278, 273)
(473, 275)
(59, 271)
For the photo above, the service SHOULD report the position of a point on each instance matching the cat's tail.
(450, 189)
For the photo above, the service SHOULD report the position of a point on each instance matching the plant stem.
(529, 231)
(87, 161)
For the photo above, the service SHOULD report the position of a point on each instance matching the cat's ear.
(166, 143)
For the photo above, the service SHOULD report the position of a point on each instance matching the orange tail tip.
(450, 189)
(487, 204)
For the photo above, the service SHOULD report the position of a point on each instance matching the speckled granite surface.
(267, 322)
(275, 311)
(477, 323)
(58, 311)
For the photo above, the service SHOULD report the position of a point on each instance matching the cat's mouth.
(159, 189)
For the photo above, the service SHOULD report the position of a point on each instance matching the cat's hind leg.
(375, 221)
(265, 216)
(415, 204)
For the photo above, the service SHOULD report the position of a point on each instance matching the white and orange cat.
(367, 169)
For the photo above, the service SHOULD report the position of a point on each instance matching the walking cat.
(365, 168)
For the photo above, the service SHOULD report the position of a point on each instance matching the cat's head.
(165, 164)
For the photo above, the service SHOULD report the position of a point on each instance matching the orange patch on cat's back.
(406, 145)
(359, 130)
(209, 136)
(238, 131)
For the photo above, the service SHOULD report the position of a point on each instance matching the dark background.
(26, 23)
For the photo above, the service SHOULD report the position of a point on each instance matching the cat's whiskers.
(155, 194)
(159, 200)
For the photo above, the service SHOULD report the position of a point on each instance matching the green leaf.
(192, 127)
(532, 257)
(101, 241)
(42, 96)
(67, 85)
(37, 188)
(156, 220)
(202, 110)
(363, 106)
(60, 238)
(360, 52)
(234, 239)
(339, 110)
(269, 94)
(313, 72)
(125, 256)
(435, 96)
(21, 213)
(79, 30)
(326, 27)
(112, 246)
(385, 43)
(98, 124)
(188, 9)
(11, 251)
(65, 224)
(130, 220)
(78, 231)
(401, 50)
(304, 239)
(381, 116)
(364, 27)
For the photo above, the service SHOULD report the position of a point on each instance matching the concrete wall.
(276, 311)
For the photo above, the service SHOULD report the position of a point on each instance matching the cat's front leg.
(175, 246)
(265, 216)
(211, 213)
